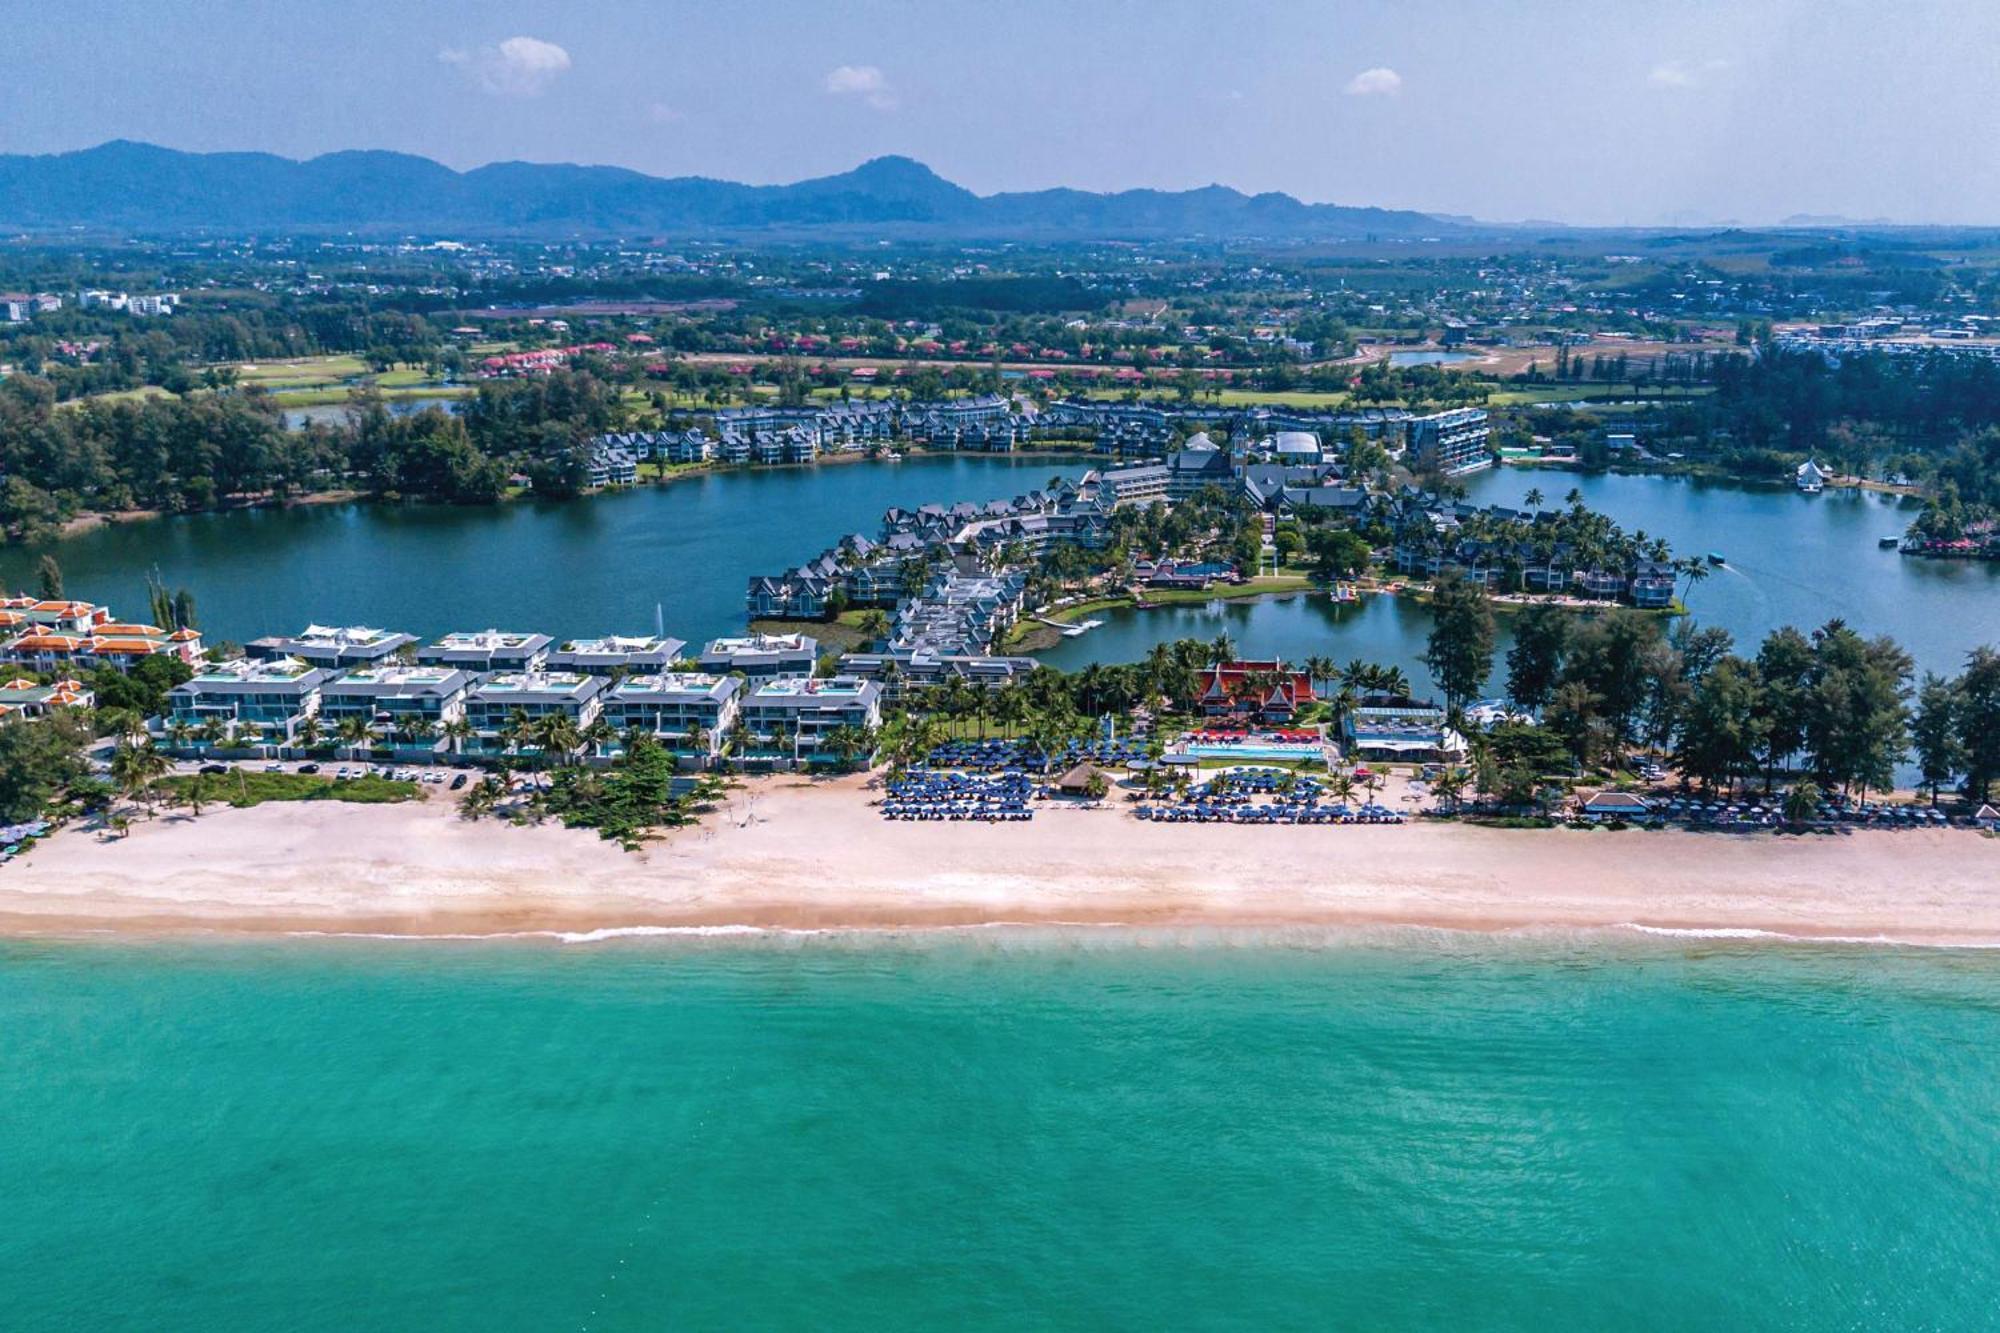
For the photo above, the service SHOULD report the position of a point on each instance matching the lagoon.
(594, 566)
(1792, 559)
(602, 564)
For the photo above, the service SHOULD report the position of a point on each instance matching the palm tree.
(179, 732)
(698, 738)
(1448, 786)
(458, 731)
(135, 768)
(1533, 499)
(353, 733)
(557, 734)
(310, 730)
(599, 734)
(1222, 648)
(845, 741)
(1320, 669)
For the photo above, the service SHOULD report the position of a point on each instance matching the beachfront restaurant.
(1605, 806)
(1407, 732)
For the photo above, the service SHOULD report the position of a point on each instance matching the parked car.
(308, 768)
(274, 767)
(215, 768)
(458, 782)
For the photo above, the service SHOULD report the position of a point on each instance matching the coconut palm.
(310, 730)
(135, 768)
(353, 733)
(458, 731)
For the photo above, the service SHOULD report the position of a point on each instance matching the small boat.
(1715, 558)
(1072, 631)
(892, 457)
(1887, 543)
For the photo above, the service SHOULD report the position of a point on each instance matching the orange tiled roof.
(132, 629)
(59, 643)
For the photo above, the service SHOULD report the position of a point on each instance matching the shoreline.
(784, 856)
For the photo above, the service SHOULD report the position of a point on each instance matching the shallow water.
(999, 1130)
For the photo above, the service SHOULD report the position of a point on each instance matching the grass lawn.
(1570, 393)
(300, 373)
(843, 635)
(334, 397)
(139, 394)
(242, 790)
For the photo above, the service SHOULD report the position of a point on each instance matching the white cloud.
(863, 81)
(1680, 74)
(1377, 82)
(517, 67)
(662, 114)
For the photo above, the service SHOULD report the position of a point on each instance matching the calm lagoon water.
(601, 565)
(1792, 559)
(598, 566)
(998, 1132)
(1428, 357)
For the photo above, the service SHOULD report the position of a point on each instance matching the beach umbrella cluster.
(923, 795)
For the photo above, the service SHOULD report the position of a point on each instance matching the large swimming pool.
(1254, 752)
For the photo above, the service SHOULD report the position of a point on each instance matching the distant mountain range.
(138, 188)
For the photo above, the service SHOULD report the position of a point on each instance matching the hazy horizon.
(1619, 115)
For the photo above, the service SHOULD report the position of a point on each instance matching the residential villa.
(111, 644)
(334, 648)
(602, 657)
(898, 672)
(688, 712)
(762, 656)
(243, 702)
(406, 708)
(494, 701)
(25, 699)
(791, 721)
(487, 650)
(38, 614)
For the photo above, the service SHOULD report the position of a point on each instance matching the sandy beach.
(784, 853)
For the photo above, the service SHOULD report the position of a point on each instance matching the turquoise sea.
(999, 1130)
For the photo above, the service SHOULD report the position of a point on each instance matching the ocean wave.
(1115, 935)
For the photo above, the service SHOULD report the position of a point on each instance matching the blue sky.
(1605, 112)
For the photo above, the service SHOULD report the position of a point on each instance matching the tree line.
(206, 450)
